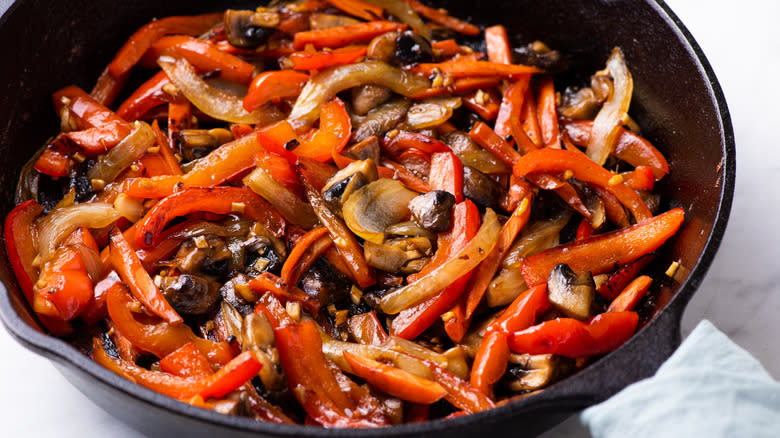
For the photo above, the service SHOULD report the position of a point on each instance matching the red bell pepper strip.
(394, 381)
(187, 361)
(271, 85)
(446, 48)
(416, 413)
(100, 128)
(227, 379)
(179, 118)
(439, 17)
(486, 270)
(467, 68)
(490, 362)
(641, 178)
(357, 8)
(502, 149)
(618, 280)
(446, 174)
(601, 253)
(558, 161)
(629, 298)
(548, 114)
(274, 138)
(138, 43)
(416, 319)
(19, 233)
(497, 43)
(343, 239)
(154, 335)
(166, 151)
(518, 188)
(268, 282)
(409, 179)
(459, 86)
(615, 211)
(334, 132)
(313, 382)
(64, 281)
(459, 392)
(271, 307)
(584, 230)
(224, 162)
(289, 269)
(395, 142)
(485, 107)
(55, 160)
(344, 35)
(572, 338)
(511, 105)
(317, 173)
(107, 88)
(219, 200)
(319, 60)
(206, 57)
(629, 147)
(152, 187)
(132, 272)
(523, 312)
(149, 95)
(529, 118)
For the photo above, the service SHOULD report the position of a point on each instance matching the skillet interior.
(677, 102)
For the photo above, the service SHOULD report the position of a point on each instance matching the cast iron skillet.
(677, 102)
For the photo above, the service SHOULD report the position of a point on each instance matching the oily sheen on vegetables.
(342, 213)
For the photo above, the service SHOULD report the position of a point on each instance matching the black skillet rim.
(63, 353)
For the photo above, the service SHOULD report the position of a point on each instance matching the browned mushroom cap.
(571, 293)
(249, 29)
(480, 188)
(433, 210)
(190, 294)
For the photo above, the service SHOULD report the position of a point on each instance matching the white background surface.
(741, 293)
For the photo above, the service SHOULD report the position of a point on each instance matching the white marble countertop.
(740, 295)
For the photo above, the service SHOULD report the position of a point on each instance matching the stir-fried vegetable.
(344, 200)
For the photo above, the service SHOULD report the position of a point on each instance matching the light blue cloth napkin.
(709, 387)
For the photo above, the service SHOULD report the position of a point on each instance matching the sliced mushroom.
(372, 208)
(369, 96)
(412, 48)
(258, 336)
(409, 228)
(481, 189)
(594, 204)
(249, 29)
(190, 294)
(380, 119)
(236, 291)
(537, 371)
(571, 293)
(433, 210)
(395, 255)
(400, 48)
(537, 54)
(363, 150)
(347, 180)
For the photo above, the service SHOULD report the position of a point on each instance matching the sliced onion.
(372, 208)
(91, 259)
(507, 286)
(334, 80)
(121, 156)
(61, 222)
(215, 103)
(606, 126)
(405, 14)
(431, 112)
(464, 261)
(539, 236)
(289, 205)
(334, 350)
(129, 207)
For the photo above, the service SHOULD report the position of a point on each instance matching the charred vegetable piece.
(433, 210)
(571, 293)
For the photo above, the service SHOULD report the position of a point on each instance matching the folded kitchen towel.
(709, 387)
